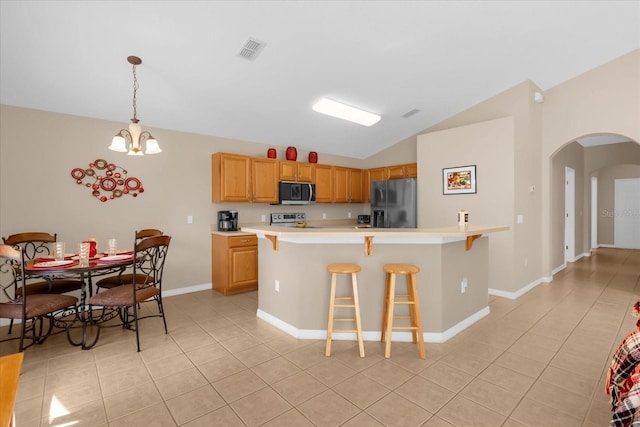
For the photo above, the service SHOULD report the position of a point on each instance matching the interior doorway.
(569, 215)
(594, 212)
(626, 221)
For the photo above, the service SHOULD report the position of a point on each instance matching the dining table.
(70, 268)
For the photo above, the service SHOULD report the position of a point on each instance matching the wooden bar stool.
(409, 299)
(343, 302)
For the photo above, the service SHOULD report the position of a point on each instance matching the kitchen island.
(294, 285)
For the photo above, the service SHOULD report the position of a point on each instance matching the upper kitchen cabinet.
(264, 180)
(296, 171)
(348, 185)
(237, 178)
(376, 174)
(410, 170)
(324, 183)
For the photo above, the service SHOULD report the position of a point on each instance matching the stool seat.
(409, 299)
(401, 268)
(344, 268)
(343, 303)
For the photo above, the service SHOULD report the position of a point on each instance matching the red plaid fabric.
(623, 382)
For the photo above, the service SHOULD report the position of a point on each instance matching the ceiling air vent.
(410, 113)
(251, 49)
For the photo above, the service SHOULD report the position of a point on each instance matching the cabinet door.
(324, 183)
(396, 171)
(264, 180)
(411, 170)
(243, 262)
(230, 178)
(288, 170)
(306, 172)
(341, 188)
(355, 186)
(375, 174)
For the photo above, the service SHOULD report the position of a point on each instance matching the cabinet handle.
(244, 240)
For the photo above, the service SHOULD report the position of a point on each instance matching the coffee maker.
(227, 220)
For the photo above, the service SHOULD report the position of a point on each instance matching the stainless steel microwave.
(296, 193)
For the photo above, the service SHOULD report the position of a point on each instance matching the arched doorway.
(605, 157)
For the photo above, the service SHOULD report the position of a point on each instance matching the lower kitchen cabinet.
(234, 263)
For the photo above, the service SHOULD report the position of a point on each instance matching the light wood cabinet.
(356, 182)
(238, 178)
(347, 186)
(376, 174)
(409, 170)
(324, 183)
(234, 263)
(295, 171)
(264, 180)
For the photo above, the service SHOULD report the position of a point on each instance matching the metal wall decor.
(107, 181)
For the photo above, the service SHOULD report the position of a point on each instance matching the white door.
(569, 215)
(594, 212)
(626, 222)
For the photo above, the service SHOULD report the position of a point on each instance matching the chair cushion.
(124, 279)
(57, 286)
(122, 296)
(37, 305)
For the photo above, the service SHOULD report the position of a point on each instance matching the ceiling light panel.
(345, 112)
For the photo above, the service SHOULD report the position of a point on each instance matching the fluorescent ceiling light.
(345, 112)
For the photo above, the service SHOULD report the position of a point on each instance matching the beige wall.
(603, 100)
(39, 149)
(490, 146)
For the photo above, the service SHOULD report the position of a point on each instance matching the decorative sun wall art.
(107, 181)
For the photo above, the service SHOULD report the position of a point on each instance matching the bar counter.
(293, 292)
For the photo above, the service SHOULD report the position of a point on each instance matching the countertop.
(353, 231)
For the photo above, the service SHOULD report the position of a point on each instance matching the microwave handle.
(310, 192)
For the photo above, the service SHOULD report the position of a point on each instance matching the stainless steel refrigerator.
(394, 203)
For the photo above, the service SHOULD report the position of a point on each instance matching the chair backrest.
(35, 244)
(147, 232)
(151, 254)
(11, 264)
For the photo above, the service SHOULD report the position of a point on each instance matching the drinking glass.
(58, 251)
(83, 253)
(112, 247)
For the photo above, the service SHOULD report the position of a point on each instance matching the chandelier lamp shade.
(134, 136)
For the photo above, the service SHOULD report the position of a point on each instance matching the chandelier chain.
(135, 90)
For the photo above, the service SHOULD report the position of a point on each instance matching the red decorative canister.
(271, 153)
(313, 157)
(93, 248)
(292, 153)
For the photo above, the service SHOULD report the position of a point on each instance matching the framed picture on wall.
(459, 180)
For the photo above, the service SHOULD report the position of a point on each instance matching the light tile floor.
(539, 360)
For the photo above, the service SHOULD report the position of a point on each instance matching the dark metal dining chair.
(150, 254)
(36, 312)
(36, 244)
(123, 278)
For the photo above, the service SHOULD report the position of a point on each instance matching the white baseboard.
(317, 334)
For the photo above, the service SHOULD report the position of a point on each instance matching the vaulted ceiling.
(387, 57)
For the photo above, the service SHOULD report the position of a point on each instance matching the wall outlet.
(263, 218)
(520, 219)
(463, 285)
(324, 215)
(277, 285)
(348, 214)
(190, 219)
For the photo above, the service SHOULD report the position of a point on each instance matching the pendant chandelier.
(134, 136)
